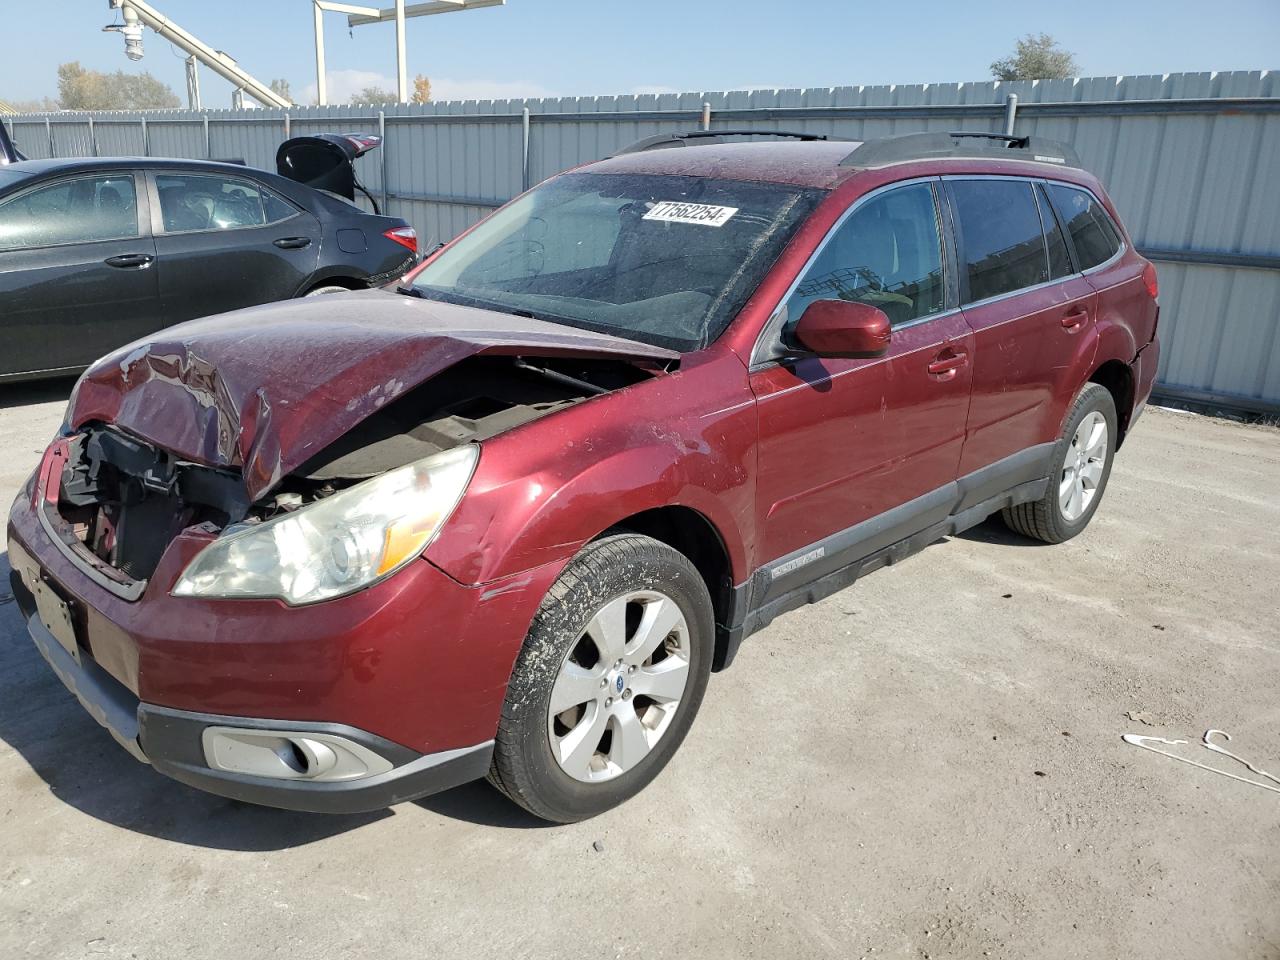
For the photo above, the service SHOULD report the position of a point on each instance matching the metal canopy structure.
(136, 13)
(358, 16)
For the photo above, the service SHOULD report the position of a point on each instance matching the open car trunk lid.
(261, 391)
(325, 161)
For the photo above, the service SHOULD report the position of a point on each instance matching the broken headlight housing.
(337, 545)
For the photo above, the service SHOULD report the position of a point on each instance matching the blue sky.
(568, 47)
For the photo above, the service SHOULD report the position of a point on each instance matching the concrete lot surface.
(927, 765)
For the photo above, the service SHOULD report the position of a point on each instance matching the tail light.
(1150, 279)
(407, 237)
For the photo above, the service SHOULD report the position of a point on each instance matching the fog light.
(289, 755)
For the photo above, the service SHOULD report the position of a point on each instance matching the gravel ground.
(927, 765)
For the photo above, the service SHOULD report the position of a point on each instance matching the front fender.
(543, 490)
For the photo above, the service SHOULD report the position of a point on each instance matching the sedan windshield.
(662, 259)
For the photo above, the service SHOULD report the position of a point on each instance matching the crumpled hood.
(265, 389)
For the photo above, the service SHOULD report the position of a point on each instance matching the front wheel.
(1084, 455)
(608, 681)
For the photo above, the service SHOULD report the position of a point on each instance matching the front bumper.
(172, 741)
(414, 668)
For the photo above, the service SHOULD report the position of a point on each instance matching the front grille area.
(125, 500)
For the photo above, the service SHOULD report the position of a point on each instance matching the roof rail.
(960, 143)
(664, 140)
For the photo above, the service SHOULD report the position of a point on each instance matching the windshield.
(661, 259)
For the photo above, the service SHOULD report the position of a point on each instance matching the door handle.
(1074, 317)
(126, 260)
(945, 364)
(292, 243)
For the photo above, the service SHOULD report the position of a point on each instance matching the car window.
(667, 260)
(1055, 242)
(887, 253)
(1000, 236)
(200, 202)
(1092, 232)
(80, 210)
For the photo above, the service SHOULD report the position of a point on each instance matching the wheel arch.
(335, 280)
(1117, 377)
(693, 534)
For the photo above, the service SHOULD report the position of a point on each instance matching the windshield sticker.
(703, 214)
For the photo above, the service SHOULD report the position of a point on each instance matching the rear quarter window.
(1095, 238)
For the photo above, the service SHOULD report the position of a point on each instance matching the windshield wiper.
(411, 292)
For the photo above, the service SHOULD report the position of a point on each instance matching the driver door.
(857, 454)
(225, 242)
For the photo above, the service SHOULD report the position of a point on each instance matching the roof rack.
(664, 140)
(960, 143)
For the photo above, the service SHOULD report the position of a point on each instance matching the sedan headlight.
(337, 545)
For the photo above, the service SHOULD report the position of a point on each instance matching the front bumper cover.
(170, 740)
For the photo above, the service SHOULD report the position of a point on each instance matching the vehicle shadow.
(993, 531)
(74, 759)
(37, 391)
(480, 803)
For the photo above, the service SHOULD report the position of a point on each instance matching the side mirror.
(842, 328)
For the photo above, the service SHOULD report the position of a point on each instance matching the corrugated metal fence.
(1190, 160)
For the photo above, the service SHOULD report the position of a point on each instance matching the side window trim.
(141, 212)
(157, 217)
(770, 335)
(1039, 184)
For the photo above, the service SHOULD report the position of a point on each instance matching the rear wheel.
(326, 288)
(608, 681)
(1084, 457)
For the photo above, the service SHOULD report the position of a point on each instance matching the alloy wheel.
(1083, 466)
(619, 686)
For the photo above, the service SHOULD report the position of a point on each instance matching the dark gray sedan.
(96, 252)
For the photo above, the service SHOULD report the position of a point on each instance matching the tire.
(1056, 517)
(326, 288)
(641, 585)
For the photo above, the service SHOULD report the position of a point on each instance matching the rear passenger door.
(77, 276)
(226, 242)
(1029, 313)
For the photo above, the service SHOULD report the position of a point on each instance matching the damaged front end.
(113, 504)
(348, 516)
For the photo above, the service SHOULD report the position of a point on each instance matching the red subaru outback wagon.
(505, 519)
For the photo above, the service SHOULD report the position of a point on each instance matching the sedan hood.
(262, 390)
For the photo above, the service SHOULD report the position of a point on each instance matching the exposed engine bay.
(125, 500)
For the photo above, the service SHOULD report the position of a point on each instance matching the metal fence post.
(382, 136)
(525, 131)
(287, 125)
(1010, 113)
(208, 144)
(706, 115)
(48, 132)
(93, 139)
(146, 139)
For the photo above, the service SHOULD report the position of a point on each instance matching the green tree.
(1036, 58)
(374, 95)
(81, 89)
(280, 87)
(421, 89)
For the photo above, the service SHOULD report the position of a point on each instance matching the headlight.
(339, 544)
